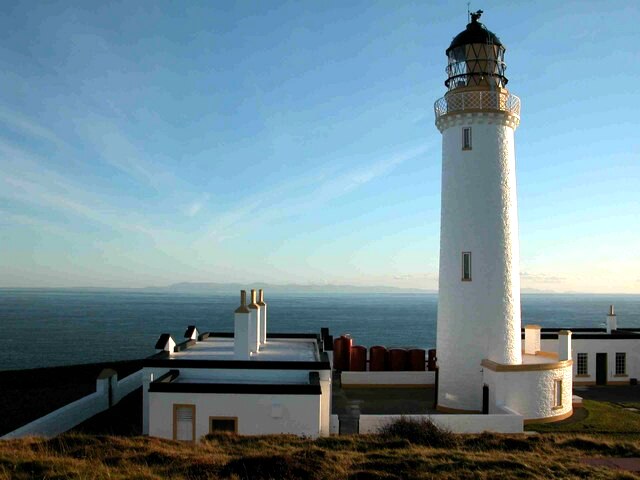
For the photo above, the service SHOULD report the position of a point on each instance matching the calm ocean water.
(60, 327)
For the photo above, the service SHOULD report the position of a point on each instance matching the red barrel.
(342, 353)
(358, 358)
(398, 359)
(377, 358)
(431, 362)
(416, 359)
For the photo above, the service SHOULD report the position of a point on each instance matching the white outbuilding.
(241, 382)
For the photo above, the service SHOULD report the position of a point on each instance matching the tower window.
(583, 364)
(621, 363)
(466, 138)
(557, 393)
(466, 266)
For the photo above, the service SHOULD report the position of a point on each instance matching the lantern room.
(476, 58)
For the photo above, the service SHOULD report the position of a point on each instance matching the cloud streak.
(317, 190)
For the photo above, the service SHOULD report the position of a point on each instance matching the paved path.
(629, 464)
(609, 393)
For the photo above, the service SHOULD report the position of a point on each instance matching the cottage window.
(583, 364)
(223, 424)
(621, 363)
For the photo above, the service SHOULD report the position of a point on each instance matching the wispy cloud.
(28, 126)
(115, 148)
(311, 192)
(27, 180)
(541, 277)
(194, 207)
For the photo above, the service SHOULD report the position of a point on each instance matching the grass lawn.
(601, 417)
(356, 457)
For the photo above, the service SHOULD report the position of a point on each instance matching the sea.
(53, 327)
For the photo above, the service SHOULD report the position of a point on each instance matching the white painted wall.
(74, 413)
(499, 423)
(481, 318)
(604, 345)
(530, 393)
(334, 425)
(148, 376)
(388, 378)
(296, 414)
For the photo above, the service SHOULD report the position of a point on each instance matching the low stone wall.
(388, 379)
(74, 413)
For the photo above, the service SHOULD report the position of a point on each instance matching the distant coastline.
(201, 288)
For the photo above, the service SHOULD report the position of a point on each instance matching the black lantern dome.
(476, 58)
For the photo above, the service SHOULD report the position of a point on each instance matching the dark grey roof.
(189, 331)
(475, 32)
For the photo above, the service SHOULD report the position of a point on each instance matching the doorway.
(601, 368)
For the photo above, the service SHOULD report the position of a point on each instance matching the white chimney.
(254, 323)
(241, 346)
(166, 343)
(612, 322)
(531, 339)
(263, 317)
(564, 345)
(191, 333)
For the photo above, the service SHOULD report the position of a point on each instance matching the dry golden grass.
(281, 456)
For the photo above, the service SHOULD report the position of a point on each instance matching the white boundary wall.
(74, 413)
(509, 422)
(398, 379)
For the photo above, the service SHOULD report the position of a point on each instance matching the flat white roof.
(537, 359)
(276, 349)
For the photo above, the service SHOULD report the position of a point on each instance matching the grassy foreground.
(282, 456)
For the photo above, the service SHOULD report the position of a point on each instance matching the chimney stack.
(254, 323)
(531, 339)
(612, 322)
(241, 346)
(263, 317)
(564, 345)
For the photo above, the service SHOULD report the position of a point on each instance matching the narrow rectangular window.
(184, 422)
(466, 266)
(223, 424)
(557, 393)
(621, 363)
(583, 365)
(466, 138)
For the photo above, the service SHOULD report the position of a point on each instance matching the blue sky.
(146, 143)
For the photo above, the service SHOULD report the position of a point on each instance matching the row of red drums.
(349, 357)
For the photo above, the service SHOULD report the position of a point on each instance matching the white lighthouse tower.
(479, 292)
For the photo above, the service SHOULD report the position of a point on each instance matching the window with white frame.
(466, 266)
(557, 393)
(621, 363)
(466, 138)
(583, 365)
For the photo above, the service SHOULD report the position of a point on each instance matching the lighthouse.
(479, 286)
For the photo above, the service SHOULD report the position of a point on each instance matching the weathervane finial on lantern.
(475, 16)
